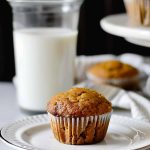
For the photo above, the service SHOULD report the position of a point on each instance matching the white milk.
(44, 60)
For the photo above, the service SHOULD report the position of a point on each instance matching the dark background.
(92, 39)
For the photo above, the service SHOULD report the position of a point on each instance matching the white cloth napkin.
(139, 105)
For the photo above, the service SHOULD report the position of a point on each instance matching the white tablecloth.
(9, 111)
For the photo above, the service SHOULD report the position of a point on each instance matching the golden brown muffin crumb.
(78, 102)
(113, 69)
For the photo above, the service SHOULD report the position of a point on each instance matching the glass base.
(30, 112)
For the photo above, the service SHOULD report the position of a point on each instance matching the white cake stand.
(118, 25)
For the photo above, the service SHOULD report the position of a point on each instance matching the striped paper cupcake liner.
(80, 130)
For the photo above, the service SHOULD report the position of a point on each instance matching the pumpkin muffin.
(114, 72)
(138, 12)
(79, 116)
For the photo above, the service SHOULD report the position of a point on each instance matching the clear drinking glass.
(45, 33)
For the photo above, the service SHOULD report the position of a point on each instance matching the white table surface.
(9, 110)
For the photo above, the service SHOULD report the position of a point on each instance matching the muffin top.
(113, 69)
(78, 102)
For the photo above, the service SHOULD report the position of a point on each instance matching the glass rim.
(45, 1)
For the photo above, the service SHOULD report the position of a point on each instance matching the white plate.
(34, 133)
(118, 25)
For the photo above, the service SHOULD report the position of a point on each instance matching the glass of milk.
(45, 35)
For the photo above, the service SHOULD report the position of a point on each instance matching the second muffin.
(79, 116)
(116, 73)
